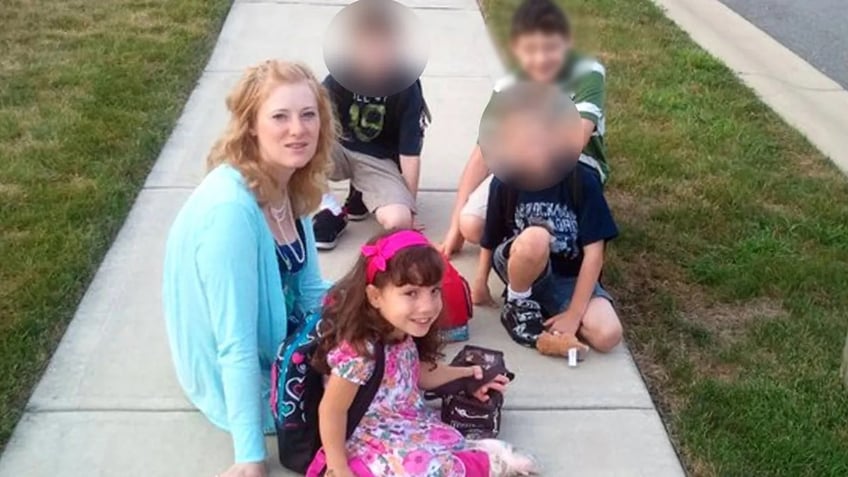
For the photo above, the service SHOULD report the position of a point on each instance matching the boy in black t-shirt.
(382, 135)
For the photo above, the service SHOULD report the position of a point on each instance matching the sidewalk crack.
(166, 188)
(330, 3)
(70, 410)
(577, 408)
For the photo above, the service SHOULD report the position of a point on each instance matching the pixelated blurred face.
(375, 53)
(523, 144)
(531, 137)
(375, 47)
(540, 55)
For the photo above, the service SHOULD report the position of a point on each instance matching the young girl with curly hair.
(392, 298)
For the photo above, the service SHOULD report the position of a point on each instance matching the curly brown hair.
(238, 147)
(349, 317)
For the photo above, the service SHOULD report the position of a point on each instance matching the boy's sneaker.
(354, 207)
(523, 321)
(328, 227)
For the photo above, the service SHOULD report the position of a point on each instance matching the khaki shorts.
(478, 201)
(379, 180)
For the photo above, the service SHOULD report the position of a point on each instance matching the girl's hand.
(339, 472)
(499, 384)
(250, 469)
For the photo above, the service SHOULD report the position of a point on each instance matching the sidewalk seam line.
(70, 410)
(168, 187)
(108, 410)
(427, 75)
(437, 190)
(341, 4)
(578, 408)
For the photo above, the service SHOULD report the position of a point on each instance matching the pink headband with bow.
(378, 255)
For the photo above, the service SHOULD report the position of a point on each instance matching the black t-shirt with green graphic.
(380, 126)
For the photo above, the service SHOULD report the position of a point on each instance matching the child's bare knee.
(394, 217)
(607, 336)
(471, 228)
(532, 244)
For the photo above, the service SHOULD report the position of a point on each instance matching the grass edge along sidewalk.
(732, 268)
(89, 92)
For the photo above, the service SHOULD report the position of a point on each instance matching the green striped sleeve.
(589, 90)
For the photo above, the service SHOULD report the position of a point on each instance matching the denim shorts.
(553, 292)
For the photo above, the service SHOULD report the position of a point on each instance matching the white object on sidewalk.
(572, 358)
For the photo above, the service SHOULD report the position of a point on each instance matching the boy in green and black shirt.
(541, 43)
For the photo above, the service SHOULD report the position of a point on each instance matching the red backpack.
(458, 309)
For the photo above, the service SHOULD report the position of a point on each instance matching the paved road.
(813, 29)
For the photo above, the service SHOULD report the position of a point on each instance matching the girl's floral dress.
(399, 434)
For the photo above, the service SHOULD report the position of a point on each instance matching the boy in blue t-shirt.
(548, 248)
(547, 225)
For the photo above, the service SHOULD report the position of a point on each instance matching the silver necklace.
(280, 215)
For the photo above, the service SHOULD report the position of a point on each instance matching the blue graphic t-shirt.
(572, 225)
(380, 126)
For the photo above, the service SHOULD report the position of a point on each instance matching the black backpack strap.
(426, 109)
(510, 203)
(364, 396)
(575, 186)
(367, 392)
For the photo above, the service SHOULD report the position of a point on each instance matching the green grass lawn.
(89, 90)
(732, 269)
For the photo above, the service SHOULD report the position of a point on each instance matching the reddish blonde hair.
(239, 148)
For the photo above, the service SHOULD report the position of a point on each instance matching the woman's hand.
(250, 469)
(499, 383)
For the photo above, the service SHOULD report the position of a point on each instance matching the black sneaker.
(328, 227)
(523, 321)
(354, 207)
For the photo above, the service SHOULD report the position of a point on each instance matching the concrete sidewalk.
(109, 404)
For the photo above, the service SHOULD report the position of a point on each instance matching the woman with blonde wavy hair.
(241, 264)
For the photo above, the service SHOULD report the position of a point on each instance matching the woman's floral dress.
(399, 434)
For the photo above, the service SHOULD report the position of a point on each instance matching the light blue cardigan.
(225, 309)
